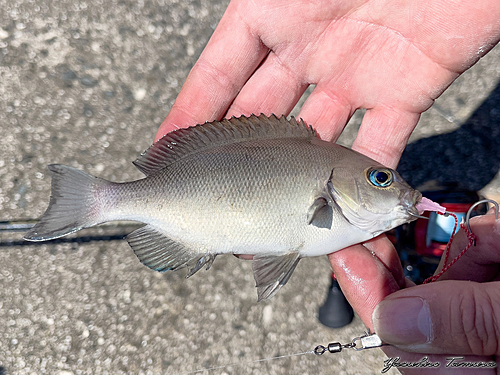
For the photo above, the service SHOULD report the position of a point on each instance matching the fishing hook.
(467, 218)
(417, 216)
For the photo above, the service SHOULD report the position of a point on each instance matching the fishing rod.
(110, 231)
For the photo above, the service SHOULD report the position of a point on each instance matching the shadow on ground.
(467, 158)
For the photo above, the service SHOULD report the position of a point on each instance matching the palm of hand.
(265, 53)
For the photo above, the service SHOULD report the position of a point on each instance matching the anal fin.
(271, 272)
(160, 253)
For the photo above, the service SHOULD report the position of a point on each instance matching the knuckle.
(216, 75)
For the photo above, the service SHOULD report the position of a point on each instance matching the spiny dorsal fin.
(182, 142)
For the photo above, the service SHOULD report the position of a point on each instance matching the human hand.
(392, 58)
(457, 315)
(389, 57)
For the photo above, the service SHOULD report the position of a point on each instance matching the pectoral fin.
(160, 253)
(320, 214)
(271, 272)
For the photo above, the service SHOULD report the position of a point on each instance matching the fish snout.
(410, 200)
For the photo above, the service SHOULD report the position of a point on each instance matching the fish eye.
(380, 177)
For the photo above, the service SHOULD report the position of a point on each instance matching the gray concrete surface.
(87, 84)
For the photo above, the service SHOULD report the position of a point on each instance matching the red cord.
(446, 267)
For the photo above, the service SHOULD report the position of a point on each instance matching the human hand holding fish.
(392, 59)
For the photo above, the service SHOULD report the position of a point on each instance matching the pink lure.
(428, 205)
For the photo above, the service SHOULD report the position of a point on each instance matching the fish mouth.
(410, 201)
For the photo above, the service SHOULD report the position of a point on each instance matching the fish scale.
(248, 186)
(257, 185)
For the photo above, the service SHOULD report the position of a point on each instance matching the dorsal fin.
(182, 142)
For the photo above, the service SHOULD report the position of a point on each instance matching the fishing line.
(447, 251)
(365, 341)
(244, 363)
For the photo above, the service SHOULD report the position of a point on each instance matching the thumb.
(448, 317)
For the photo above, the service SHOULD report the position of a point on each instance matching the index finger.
(228, 60)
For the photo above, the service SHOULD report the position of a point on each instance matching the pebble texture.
(87, 84)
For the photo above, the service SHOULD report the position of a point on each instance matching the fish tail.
(73, 204)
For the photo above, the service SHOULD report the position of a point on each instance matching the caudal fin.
(72, 206)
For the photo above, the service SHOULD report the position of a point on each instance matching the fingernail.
(404, 321)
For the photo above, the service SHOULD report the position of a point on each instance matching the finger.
(326, 112)
(230, 57)
(449, 317)
(384, 250)
(273, 88)
(481, 262)
(384, 133)
(365, 281)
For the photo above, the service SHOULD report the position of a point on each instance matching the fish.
(257, 185)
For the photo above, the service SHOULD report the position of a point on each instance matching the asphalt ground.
(87, 84)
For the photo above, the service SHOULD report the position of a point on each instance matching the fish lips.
(410, 201)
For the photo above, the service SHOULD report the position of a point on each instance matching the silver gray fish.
(251, 185)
